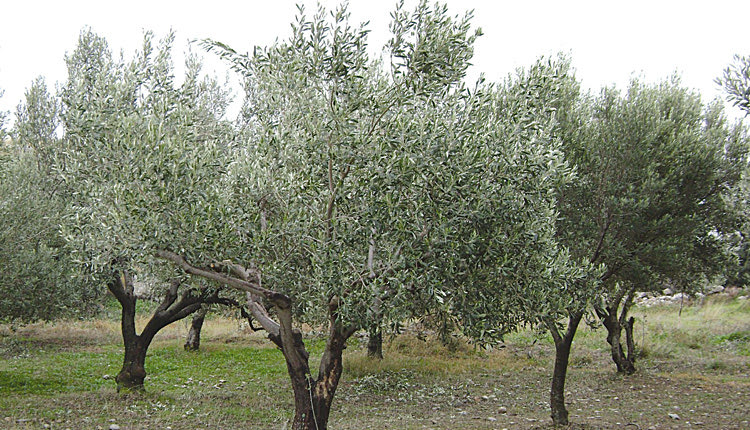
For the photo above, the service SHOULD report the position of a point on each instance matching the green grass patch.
(12, 383)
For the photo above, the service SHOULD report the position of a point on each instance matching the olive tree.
(136, 145)
(537, 282)
(361, 187)
(36, 272)
(654, 165)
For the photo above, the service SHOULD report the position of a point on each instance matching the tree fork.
(133, 373)
(563, 344)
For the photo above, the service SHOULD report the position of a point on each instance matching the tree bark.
(193, 342)
(133, 371)
(313, 398)
(614, 324)
(375, 343)
(563, 344)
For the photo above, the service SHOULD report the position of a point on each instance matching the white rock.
(674, 416)
(114, 427)
(679, 297)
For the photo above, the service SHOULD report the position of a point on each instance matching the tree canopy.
(355, 192)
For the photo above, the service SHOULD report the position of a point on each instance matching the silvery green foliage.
(453, 188)
(736, 82)
(35, 265)
(399, 188)
(143, 155)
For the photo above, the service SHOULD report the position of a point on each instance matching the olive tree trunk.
(614, 322)
(193, 341)
(133, 371)
(563, 344)
(312, 397)
(375, 343)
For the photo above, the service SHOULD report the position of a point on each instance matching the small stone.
(114, 427)
(503, 410)
(485, 397)
(674, 416)
(491, 419)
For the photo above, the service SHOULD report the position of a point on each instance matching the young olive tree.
(654, 165)
(141, 154)
(536, 281)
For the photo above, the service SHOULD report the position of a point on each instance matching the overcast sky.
(609, 41)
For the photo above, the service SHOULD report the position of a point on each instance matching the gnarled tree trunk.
(624, 359)
(193, 342)
(312, 397)
(375, 343)
(133, 371)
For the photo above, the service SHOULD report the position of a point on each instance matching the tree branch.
(247, 285)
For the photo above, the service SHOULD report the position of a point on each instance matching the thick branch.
(254, 305)
(169, 297)
(121, 287)
(260, 313)
(247, 285)
(626, 305)
(553, 329)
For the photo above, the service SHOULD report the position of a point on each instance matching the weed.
(737, 336)
(581, 360)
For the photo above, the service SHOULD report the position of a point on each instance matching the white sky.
(610, 41)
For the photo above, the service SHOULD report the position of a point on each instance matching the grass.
(694, 364)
